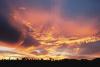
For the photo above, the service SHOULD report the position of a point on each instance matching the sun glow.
(58, 37)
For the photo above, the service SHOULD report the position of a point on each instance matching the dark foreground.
(70, 62)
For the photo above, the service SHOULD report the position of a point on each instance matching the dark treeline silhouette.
(27, 61)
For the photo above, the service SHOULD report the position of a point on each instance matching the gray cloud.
(90, 48)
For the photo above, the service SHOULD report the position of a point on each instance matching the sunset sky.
(57, 29)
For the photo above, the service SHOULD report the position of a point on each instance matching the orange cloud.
(57, 37)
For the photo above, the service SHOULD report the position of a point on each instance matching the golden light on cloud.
(47, 34)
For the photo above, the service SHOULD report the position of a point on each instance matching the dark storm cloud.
(7, 32)
(90, 48)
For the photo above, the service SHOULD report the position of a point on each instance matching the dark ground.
(47, 63)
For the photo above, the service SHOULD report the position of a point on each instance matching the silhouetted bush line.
(33, 62)
(26, 60)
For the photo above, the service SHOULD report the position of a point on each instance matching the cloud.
(30, 41)
(7, 32)
(90, 48)
(49, 33)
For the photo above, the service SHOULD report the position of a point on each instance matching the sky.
(62, 19)
(88, 8)
(73, 8)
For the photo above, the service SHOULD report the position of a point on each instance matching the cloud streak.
(51, 33)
